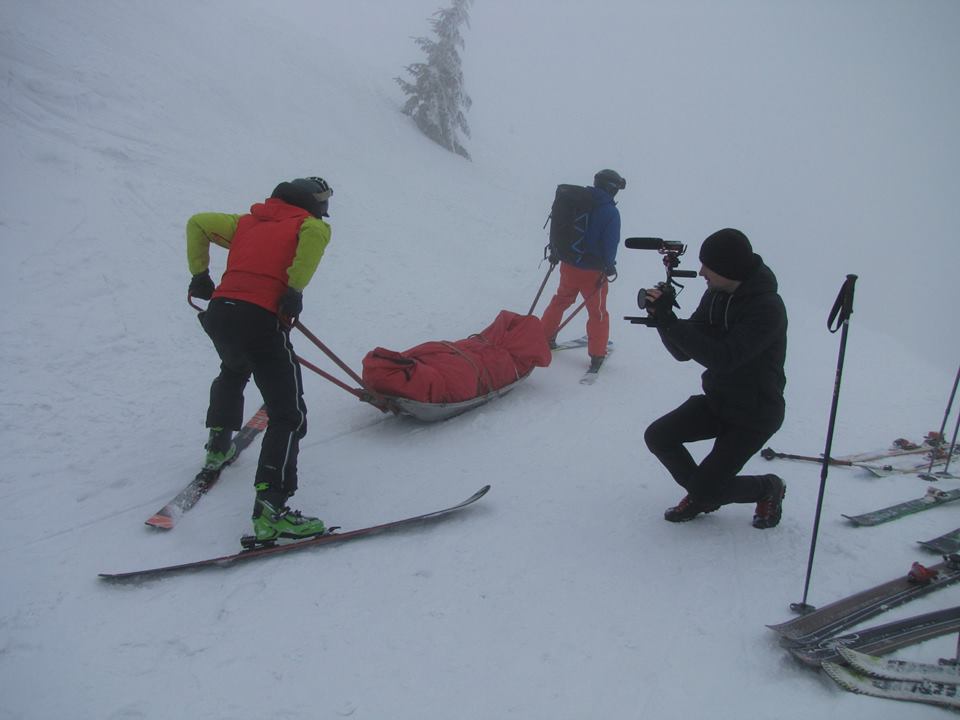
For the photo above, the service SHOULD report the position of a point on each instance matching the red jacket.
(261, 252)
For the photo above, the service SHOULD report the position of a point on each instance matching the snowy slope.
(826, 133)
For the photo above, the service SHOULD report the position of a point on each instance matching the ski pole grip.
(848, 287)
(843, 305)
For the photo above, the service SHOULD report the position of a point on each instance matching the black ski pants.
(715, 479)
(251, 341)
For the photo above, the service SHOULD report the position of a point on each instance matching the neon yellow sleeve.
(206, 228)
(314, 238)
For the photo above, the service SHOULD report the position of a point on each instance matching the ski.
(166, 517)
(945, 544)
(589, 378)
(944, 694)
(899, 669)
(847, 612)
(900, 446)
(580, 342)
(932, 498)
(882, 639)
(269, 550)
(921, 468)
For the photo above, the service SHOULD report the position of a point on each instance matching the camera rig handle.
(671, 251)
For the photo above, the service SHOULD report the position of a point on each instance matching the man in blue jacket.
(588, 275)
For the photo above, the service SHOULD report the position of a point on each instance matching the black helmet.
(610, 181)
(310, 193)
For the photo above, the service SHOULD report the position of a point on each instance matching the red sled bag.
(447, 372)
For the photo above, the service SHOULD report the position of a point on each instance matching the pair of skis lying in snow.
(933, 497)
(935, 455)
(167, 516)
(813, 638)
(897, 679)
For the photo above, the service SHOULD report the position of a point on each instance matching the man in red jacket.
(274, 251)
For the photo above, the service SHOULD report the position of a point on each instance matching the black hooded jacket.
(741, 340)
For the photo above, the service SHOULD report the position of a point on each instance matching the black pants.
(251, 341)
(714, 480)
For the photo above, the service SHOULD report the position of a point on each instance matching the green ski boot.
(220, 449)
(273, 520)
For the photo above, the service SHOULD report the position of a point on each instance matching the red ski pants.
(592, 285)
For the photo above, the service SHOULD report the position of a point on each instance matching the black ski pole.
(953, 447)
(943, 425)
(542, 286)
(841, 312)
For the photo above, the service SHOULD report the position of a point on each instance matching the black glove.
(201, 286)
(550, 254)
(662, 310)
(611, 272)
(291, 304)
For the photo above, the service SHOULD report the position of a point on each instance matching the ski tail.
(166, 517)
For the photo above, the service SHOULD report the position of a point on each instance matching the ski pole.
(841, 312)
(943, 425)
(953, 445)
(542, 286)
(771, 454)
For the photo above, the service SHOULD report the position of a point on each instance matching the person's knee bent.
(290, 422)
(654, 437)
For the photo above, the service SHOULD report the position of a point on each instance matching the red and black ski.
(166, 517)
(882, 639)
(328, 539)
(828, 620)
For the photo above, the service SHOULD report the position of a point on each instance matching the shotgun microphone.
(644, 243)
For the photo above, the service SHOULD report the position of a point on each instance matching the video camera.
(671, 252)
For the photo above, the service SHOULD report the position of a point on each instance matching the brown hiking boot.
(687, 509)
(770, 507)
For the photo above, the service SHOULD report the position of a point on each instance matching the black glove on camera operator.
(660, 302)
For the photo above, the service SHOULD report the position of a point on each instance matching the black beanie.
(728, 252)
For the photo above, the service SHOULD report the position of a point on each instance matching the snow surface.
(826, 131)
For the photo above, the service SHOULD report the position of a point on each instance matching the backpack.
(569, 217)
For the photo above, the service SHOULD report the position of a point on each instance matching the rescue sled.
(440, 379)
(434, 412)
(437, 380)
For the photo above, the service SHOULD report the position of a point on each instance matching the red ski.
(166, 517)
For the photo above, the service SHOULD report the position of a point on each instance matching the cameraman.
(739, 334)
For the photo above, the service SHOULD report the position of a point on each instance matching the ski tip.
(477, 495)
(161, 522)
(844, 677)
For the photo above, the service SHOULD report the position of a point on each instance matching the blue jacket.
(602, 237)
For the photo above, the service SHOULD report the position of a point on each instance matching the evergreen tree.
(437, 100)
